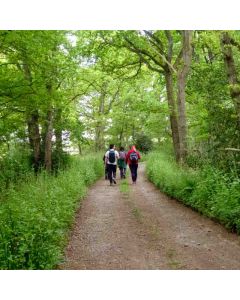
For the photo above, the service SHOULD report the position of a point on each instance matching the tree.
(41, 71)
(226, 43)
(156, 51)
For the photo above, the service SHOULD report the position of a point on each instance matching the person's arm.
(139, 156)
(106, 157)
(117, 157)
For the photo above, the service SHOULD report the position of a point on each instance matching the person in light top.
(111, 158)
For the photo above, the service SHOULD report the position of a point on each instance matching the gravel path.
(138, 227)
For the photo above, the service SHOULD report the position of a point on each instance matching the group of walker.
(113, 158)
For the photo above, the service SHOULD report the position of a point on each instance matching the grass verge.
(207, 190)
(35, 216)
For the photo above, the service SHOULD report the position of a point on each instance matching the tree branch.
(155, 41)
(234, 43)
(170, 45)
(142, 52)
(232, 149)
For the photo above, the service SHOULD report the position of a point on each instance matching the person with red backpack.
(132, 159)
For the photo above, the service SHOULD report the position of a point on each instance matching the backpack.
(111, 156)
(133, 157)
(122, 155)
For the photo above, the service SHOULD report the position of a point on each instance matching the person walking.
(132, 159)
(122, 162)
(111, 158)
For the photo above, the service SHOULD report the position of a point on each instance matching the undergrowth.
(35, 216)
(207, 190)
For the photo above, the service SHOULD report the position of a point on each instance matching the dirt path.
(138, 227)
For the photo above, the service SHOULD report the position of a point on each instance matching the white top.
(107, 157)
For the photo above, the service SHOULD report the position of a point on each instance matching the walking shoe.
(114, 181)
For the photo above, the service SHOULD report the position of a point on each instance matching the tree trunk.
(133, 133)
(33, 125)
(58, 137)
(231, 73)
(59, 145)
(121, 137)
(99, 140)
(58, 131)
(181, 84)
(172, 113)
(48, 141)
(34, 138)
(79, 148)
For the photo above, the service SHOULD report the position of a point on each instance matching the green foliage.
(143, 142)
(207, 190)
(15, 165)
(35, 217)
(168, 176)
(210, 109)
(60, 160)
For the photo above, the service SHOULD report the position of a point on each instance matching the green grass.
(35, 216)
(125, 190)
(207, 190)
(124, 186)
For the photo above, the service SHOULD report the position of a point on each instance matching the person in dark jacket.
(132, 159)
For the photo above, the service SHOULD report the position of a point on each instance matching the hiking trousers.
(133, 169)
(111, 172)
(122, 172)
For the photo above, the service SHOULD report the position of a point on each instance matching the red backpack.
(133, 157)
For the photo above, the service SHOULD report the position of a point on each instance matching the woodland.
(65, 95)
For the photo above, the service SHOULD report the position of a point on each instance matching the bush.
(207, 190)
(143, 142)
(36, 216)
(14, 166)
(60, 160)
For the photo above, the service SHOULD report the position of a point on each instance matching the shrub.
(143, 142)
(207, 190)
(36, 216)
(14, 166)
